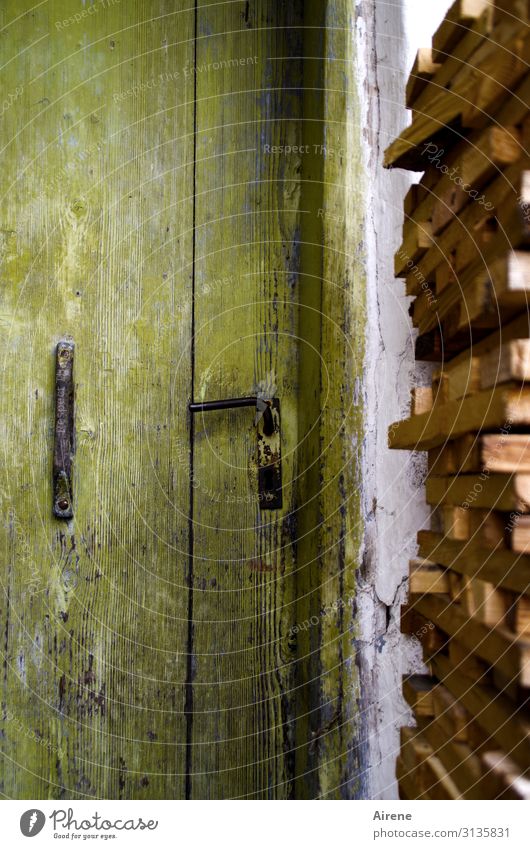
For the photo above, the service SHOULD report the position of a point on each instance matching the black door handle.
(263, 408)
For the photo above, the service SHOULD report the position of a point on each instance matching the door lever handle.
(263, 408)
(267, 423)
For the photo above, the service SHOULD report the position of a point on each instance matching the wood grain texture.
(337, 740)
(331, 297)
(245, 334)
(503, 568)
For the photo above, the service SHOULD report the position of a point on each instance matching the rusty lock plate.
(269, 457)
(268, 431)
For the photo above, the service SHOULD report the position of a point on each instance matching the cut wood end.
(511, 10)
(394, 152)
(423, 69)
(426, 577)
(521, 485)
(525, 188)
(497, 146)
(511, 273)
(424, 63)
(417, 691)
(421, 400)
(509, 362)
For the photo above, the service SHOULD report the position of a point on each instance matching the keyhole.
(268, 421)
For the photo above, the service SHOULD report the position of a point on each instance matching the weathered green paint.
(96, 192)
(149, 643)
(309, 569)
(342, 424)
(246, 220)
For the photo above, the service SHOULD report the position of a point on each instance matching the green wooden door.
(151, 211)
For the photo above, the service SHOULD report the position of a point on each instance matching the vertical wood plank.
(97, 221)
(247, 219)
(332, 310)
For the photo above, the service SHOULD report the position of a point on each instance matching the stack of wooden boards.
(466, 262)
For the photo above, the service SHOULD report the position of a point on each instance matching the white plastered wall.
(388, 33)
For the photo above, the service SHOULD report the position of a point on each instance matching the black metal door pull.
(267, 423)
(64, 443)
